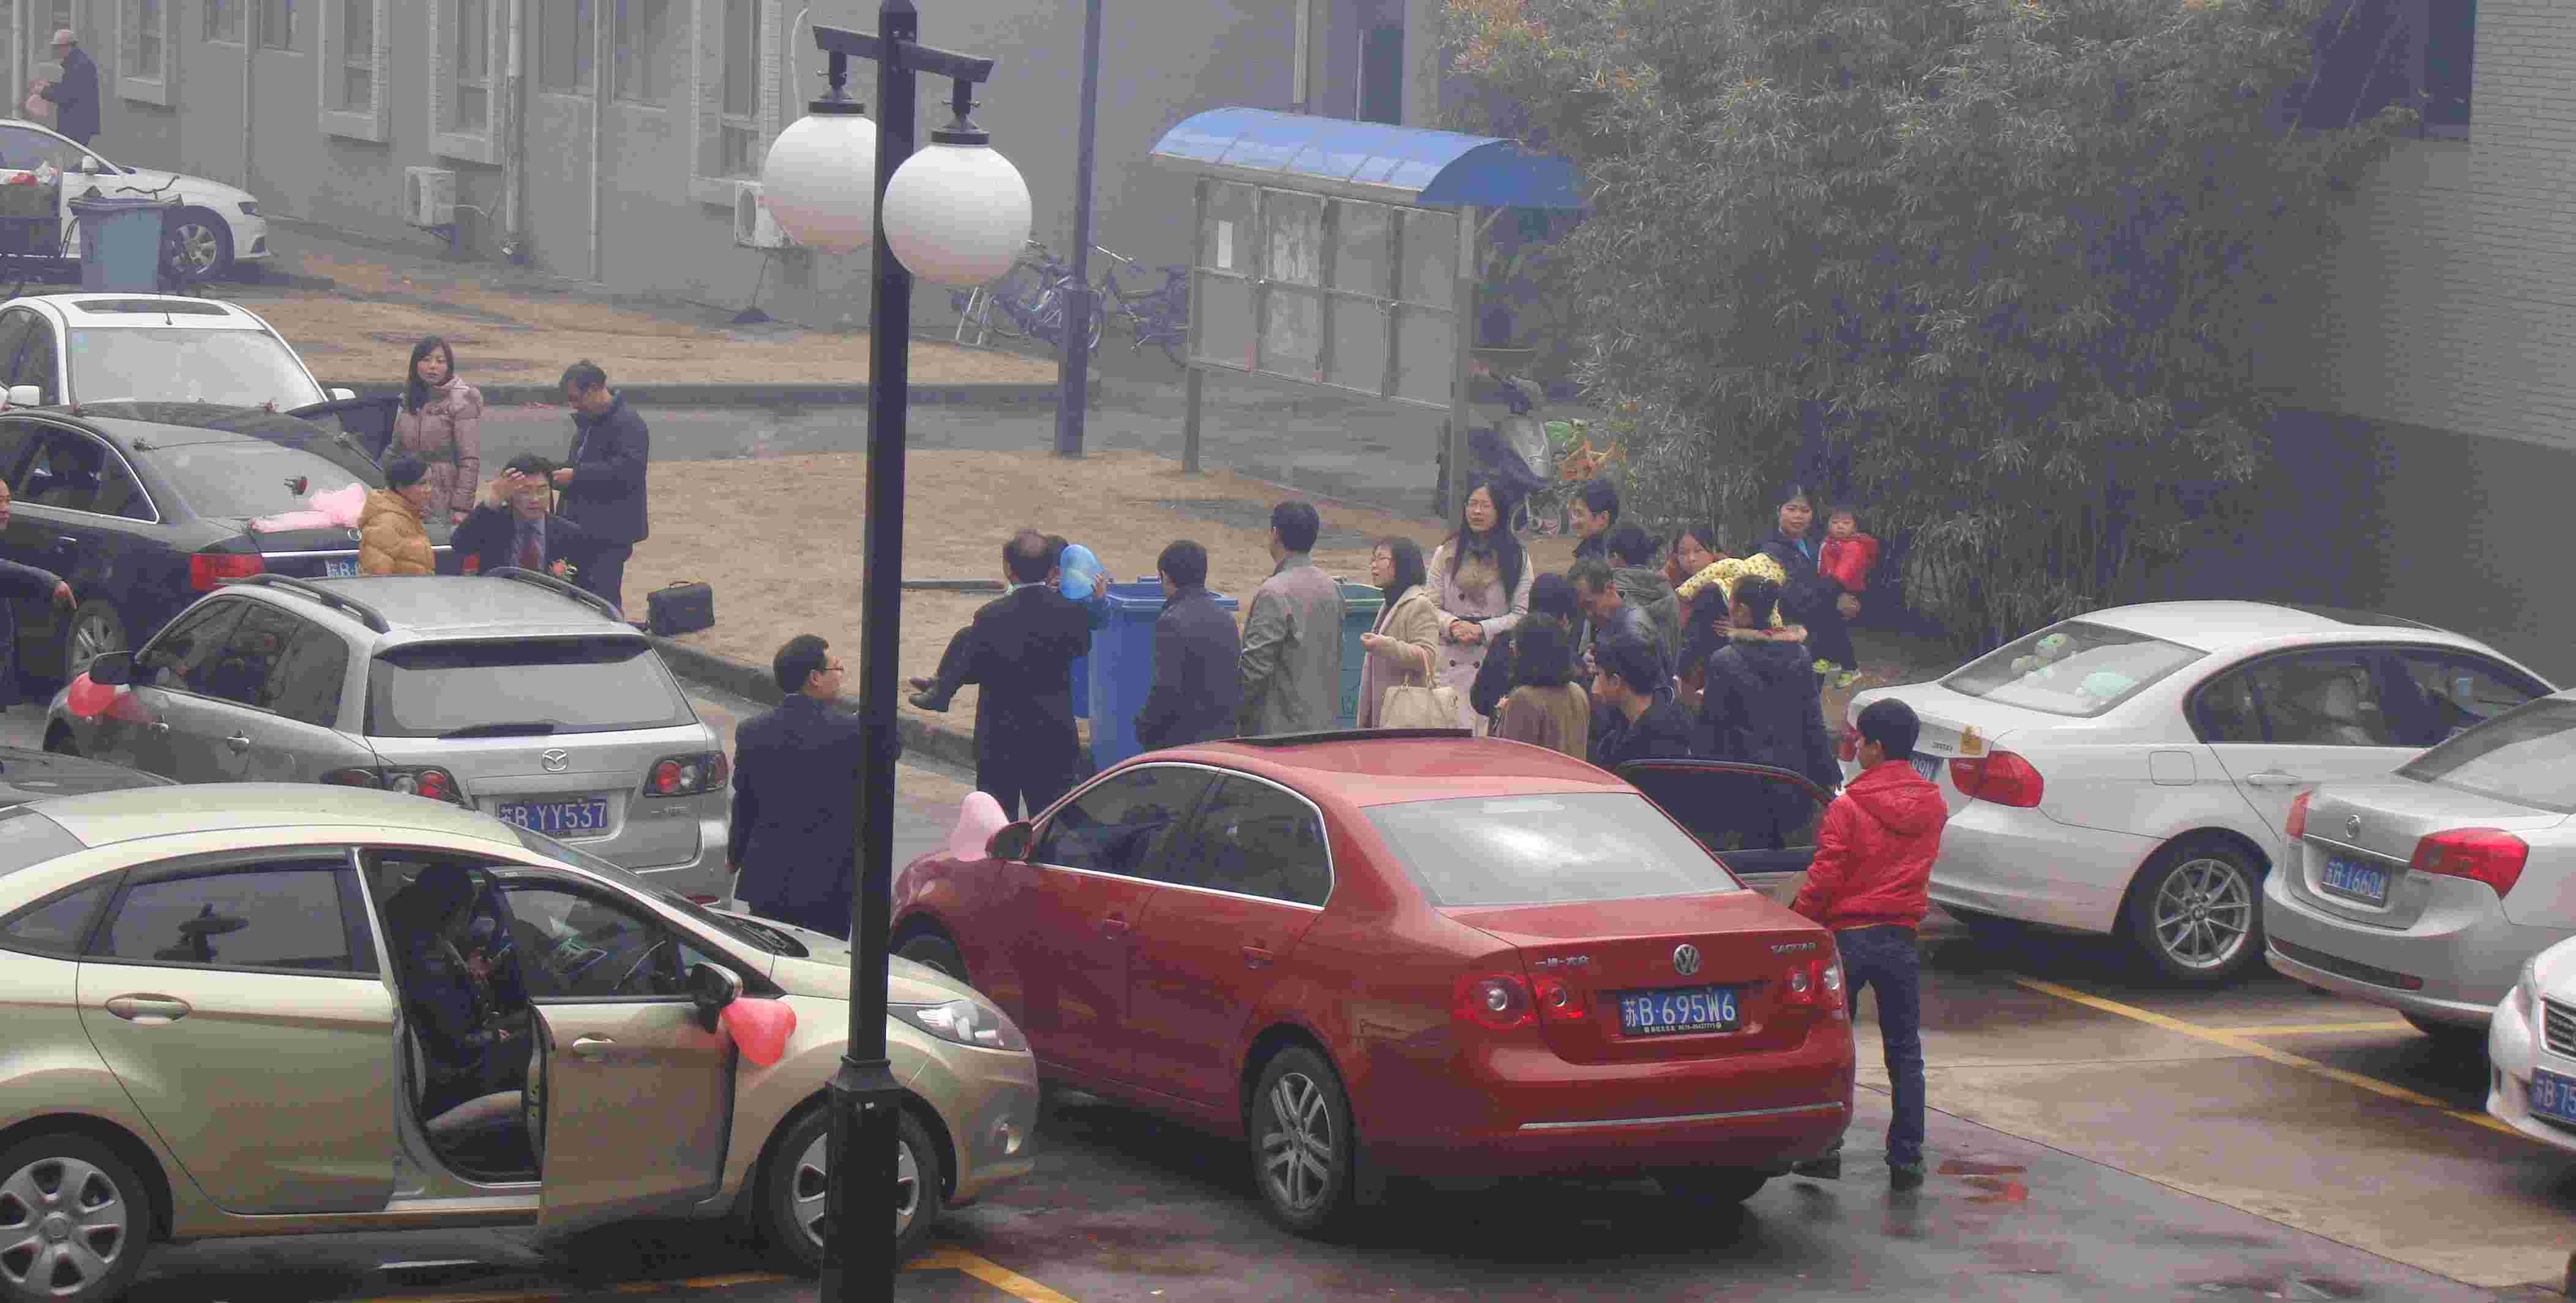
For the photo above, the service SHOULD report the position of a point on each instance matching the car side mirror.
(711, 988)
(1013, 841)
(26, 396)
(112, 669)
(344, 395)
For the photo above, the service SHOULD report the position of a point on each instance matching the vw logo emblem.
(2352, 826)
(1685, 959)
(556, 761)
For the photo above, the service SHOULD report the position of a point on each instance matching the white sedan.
(218, 226)
(2131, 771)
(2531, 1047)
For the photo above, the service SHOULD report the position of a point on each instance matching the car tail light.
(1799, 987)
(1558, 1001)
(432, 782)
(1497, 1002)
(2296, 826)
(2489, 855)
(207, 571)
(701, 771)
(1829, 983)
(2003, 778)
(353, 778)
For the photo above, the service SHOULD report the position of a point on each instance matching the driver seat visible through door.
(485, 1133)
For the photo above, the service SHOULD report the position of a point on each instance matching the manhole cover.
(1255, 516)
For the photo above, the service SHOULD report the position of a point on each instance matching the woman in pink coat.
(441, 423)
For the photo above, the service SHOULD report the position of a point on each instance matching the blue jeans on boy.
(1883, 959)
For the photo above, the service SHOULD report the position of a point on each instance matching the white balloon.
(820, 181)
(957, 214)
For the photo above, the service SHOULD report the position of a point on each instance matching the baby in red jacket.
(1848, 554)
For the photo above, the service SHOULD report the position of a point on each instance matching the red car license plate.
(1680, 1009)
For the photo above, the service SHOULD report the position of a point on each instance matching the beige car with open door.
(253, 1009)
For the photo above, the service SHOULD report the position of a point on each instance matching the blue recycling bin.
(1122, 667)
(120, 239)
(1361, 604)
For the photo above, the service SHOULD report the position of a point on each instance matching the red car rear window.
(1476, 851)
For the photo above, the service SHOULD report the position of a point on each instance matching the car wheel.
(2195, 914)
(2452, 1040)
(94, 630)
(201, 245)
(1301, 1142)
(74, 1220)
(931, 950)
(1712, 1187)
(797, 1183)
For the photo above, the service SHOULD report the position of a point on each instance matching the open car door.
(1761, 821)
(366, 423)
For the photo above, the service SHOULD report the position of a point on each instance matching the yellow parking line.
(2245, 1044)
(2313, 1028)
(994, 1274)
(983, 1269)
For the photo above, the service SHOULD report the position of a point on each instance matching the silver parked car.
(2427, 891)
(263, 1009)
(512, 693)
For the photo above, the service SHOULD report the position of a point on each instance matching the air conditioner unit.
(753, 227)
(429, 197)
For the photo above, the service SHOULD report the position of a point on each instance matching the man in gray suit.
(1292, 637)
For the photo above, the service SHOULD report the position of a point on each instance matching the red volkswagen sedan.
(1417, 953)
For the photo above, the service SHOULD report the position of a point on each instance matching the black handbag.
(684, 607)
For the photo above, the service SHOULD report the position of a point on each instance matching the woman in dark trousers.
(1812, 598)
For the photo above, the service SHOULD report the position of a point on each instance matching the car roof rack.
(1348, 735)
(546, 581)
(363, 613)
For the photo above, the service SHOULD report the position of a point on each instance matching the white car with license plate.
(2425, 892)
(2531, 1050)
(2131, 771)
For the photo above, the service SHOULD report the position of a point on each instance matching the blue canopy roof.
(1368, 160)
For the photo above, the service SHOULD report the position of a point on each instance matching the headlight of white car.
(965, 1022)
(2525, 999)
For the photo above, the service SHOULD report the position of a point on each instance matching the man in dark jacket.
(75, 97)
(1607, 614)
(22, 583)
(1762, 701)
(794, 846)
(1638, 576)
(602, 478)
(1020, 651)
(1196, 647)
(510, 526)
(1647, 723)
(1595, 512)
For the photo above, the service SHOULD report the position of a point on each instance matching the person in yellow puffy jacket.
(1725, 573)
(391, 537)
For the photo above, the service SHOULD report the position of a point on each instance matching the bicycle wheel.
(1022, 300)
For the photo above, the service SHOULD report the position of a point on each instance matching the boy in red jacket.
(1870, 882)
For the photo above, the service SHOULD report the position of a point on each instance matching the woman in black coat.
(1762, 703)
(1549, 595)
(1812, 598)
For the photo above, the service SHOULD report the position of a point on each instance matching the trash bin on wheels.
(121, 238)
(1122, 667)
(1361, 604)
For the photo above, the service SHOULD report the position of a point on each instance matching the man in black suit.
(1196, 646)
(602, 478)
(795, 822)
(1020, 650)
(510, 526)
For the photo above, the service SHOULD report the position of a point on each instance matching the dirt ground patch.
(518, 338)
(780, 538)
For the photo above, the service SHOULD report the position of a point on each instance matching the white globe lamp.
(820, 178)
(956, 213)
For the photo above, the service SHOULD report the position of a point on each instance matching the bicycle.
(1031, 295)
(1157, 316)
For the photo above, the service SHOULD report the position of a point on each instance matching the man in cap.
(75, 97)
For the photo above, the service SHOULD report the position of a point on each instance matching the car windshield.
(1476, 851)
(28, 839)
(245, 478)
(522, 687)
(749, 933)
(239, 368)
(2526, 755)
(2076, 668)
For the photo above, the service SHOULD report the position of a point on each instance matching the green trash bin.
(1361, 604)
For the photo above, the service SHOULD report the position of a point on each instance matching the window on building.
(277, 30)
(1382, 74)
(641, 27)
(357, 50)
(738, 133)
(2372, 55)
(566, 30)
(470, 109)
(224, 20)
(145, 41)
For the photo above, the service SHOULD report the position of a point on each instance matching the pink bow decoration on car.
(759, 1028)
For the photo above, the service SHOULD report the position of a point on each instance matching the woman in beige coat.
(441, 423)
(1481, 578)
(1401, 648)
(1546, 707)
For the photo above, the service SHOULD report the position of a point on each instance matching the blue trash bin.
(1122, 667)
(1361, 604)
(120, 239)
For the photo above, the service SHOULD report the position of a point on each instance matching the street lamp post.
(954, 214)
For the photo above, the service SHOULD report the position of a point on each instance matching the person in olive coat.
(1196, 689)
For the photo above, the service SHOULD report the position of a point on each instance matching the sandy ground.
(367, 328)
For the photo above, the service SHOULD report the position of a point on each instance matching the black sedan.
(145, 507)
